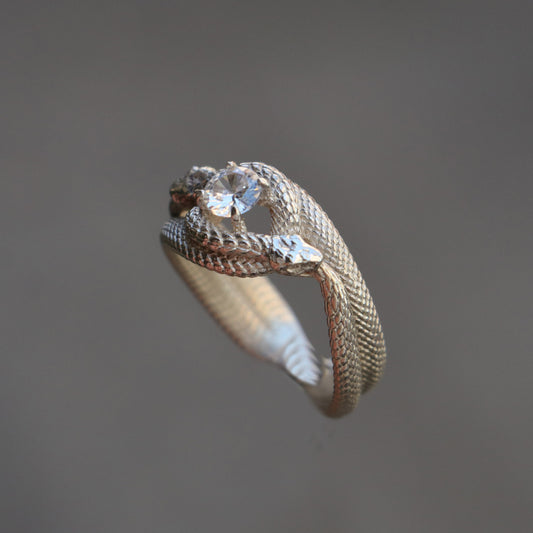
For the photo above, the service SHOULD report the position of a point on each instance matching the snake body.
(226, 270)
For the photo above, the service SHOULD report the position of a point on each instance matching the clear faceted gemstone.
(232, 188)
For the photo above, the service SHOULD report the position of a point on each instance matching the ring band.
(225, 268)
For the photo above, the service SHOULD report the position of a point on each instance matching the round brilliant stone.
(234, 188)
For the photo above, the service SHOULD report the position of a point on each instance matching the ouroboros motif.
(224, 268)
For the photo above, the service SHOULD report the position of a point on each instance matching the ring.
(207, 242)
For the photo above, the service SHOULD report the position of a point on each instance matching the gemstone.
(232, 189)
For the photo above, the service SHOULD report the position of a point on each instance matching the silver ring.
(224, 266)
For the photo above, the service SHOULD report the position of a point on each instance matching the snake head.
(292, 256)
(184, 191)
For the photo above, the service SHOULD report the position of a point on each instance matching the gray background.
(123, 408)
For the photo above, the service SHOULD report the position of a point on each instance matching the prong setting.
(237, 221)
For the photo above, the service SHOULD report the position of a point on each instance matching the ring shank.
(259, 319)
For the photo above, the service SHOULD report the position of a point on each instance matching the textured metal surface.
(303, 242)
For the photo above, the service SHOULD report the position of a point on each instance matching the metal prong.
(237, 221)
(201, 194)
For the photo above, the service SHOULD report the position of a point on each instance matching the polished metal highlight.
(224, 268)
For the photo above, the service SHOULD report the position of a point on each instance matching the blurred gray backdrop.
(123, 408)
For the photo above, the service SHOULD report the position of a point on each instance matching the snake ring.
(225, 265)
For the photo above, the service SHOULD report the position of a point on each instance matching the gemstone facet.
(232, 189)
